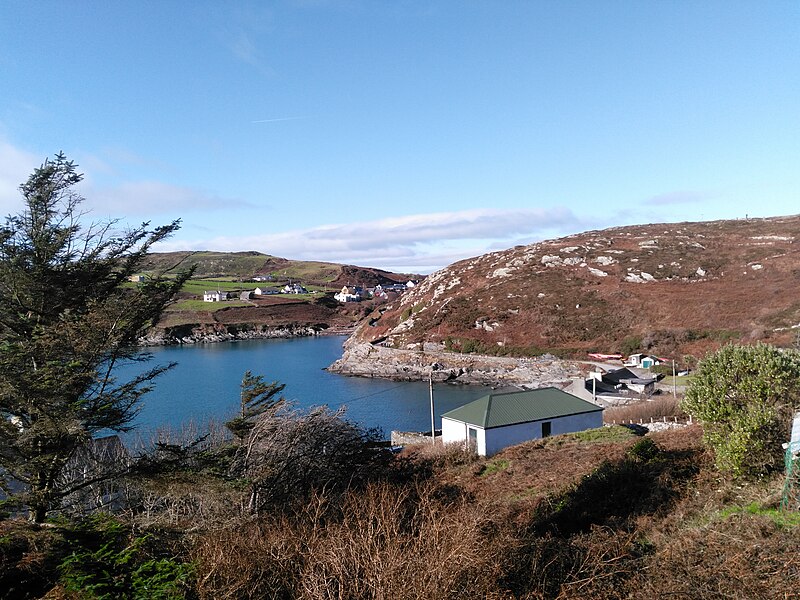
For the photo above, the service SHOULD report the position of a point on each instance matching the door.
(546, 429)
(472, 439)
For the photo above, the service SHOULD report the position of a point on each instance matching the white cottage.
(497, 421)
(215, 296)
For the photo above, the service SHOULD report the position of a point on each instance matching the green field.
(200, 305)
(198, 286)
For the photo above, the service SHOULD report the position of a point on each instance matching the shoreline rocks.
(211, 334)
(363, 359)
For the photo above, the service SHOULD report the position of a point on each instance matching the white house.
(645, 361)
(294, 288)
(349, 294)
(216, 296)
(497, 421)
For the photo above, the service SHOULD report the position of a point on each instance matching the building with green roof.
(497, 421)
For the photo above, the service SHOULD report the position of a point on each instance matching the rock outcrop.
(208, 334)
(368, 360)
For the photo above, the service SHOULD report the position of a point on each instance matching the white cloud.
(425, 240)
(135, 198)
(15, 167)
(129, 198)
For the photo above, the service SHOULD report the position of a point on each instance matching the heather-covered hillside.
(671, 288)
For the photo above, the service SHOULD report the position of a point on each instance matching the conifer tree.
(68, 318)
(257, 397)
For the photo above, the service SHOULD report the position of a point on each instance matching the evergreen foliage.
(257, 397)
(68, 317)
(745, 396)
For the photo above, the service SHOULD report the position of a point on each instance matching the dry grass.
(567, 517)
(384, 542)
(744, 556)
(657, 408)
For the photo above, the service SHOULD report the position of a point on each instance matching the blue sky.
(405, 135)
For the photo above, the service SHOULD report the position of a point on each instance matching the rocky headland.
(432, 360)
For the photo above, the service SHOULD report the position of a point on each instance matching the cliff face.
(667, 288)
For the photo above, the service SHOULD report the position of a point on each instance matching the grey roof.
(510, 408)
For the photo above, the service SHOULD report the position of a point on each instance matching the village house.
(643, 361)
(379, 292)
(265, 291)
(293, 288)
(349, 294)
(609, 387)
(217, 296)
(499, 420)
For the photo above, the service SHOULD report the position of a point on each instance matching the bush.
(745, 396)
(121, 567)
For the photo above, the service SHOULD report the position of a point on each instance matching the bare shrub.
(446, 456)
(289, 453)
(659, 407)
(395, 543)
(384, 541)
(176, 479)
(253, 559)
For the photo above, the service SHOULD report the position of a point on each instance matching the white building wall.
(457, 432)
(453, 431)
(502, 437)
(493, 440)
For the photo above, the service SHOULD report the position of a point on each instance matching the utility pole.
(674, 383)
(433, 422)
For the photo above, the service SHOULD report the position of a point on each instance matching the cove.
(205, 384)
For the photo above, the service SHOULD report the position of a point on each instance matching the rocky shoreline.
(207, 334)
(363, 359)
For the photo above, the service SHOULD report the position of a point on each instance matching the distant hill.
(668, 288)
(245, 265)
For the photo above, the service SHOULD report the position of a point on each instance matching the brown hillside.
(670, 288)
(367, 277)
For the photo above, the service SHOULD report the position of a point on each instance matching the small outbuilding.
(497, 421)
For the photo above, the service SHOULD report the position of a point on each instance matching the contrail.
(280, 119)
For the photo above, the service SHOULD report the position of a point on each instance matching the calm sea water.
(205, 385)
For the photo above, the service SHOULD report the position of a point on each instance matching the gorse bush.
(745, 396)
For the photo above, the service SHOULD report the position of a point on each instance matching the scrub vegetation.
(579, 516)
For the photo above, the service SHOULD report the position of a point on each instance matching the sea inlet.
(204, 386)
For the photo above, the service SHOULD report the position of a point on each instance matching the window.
(546, 429)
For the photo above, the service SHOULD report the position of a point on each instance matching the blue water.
(205, 385)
